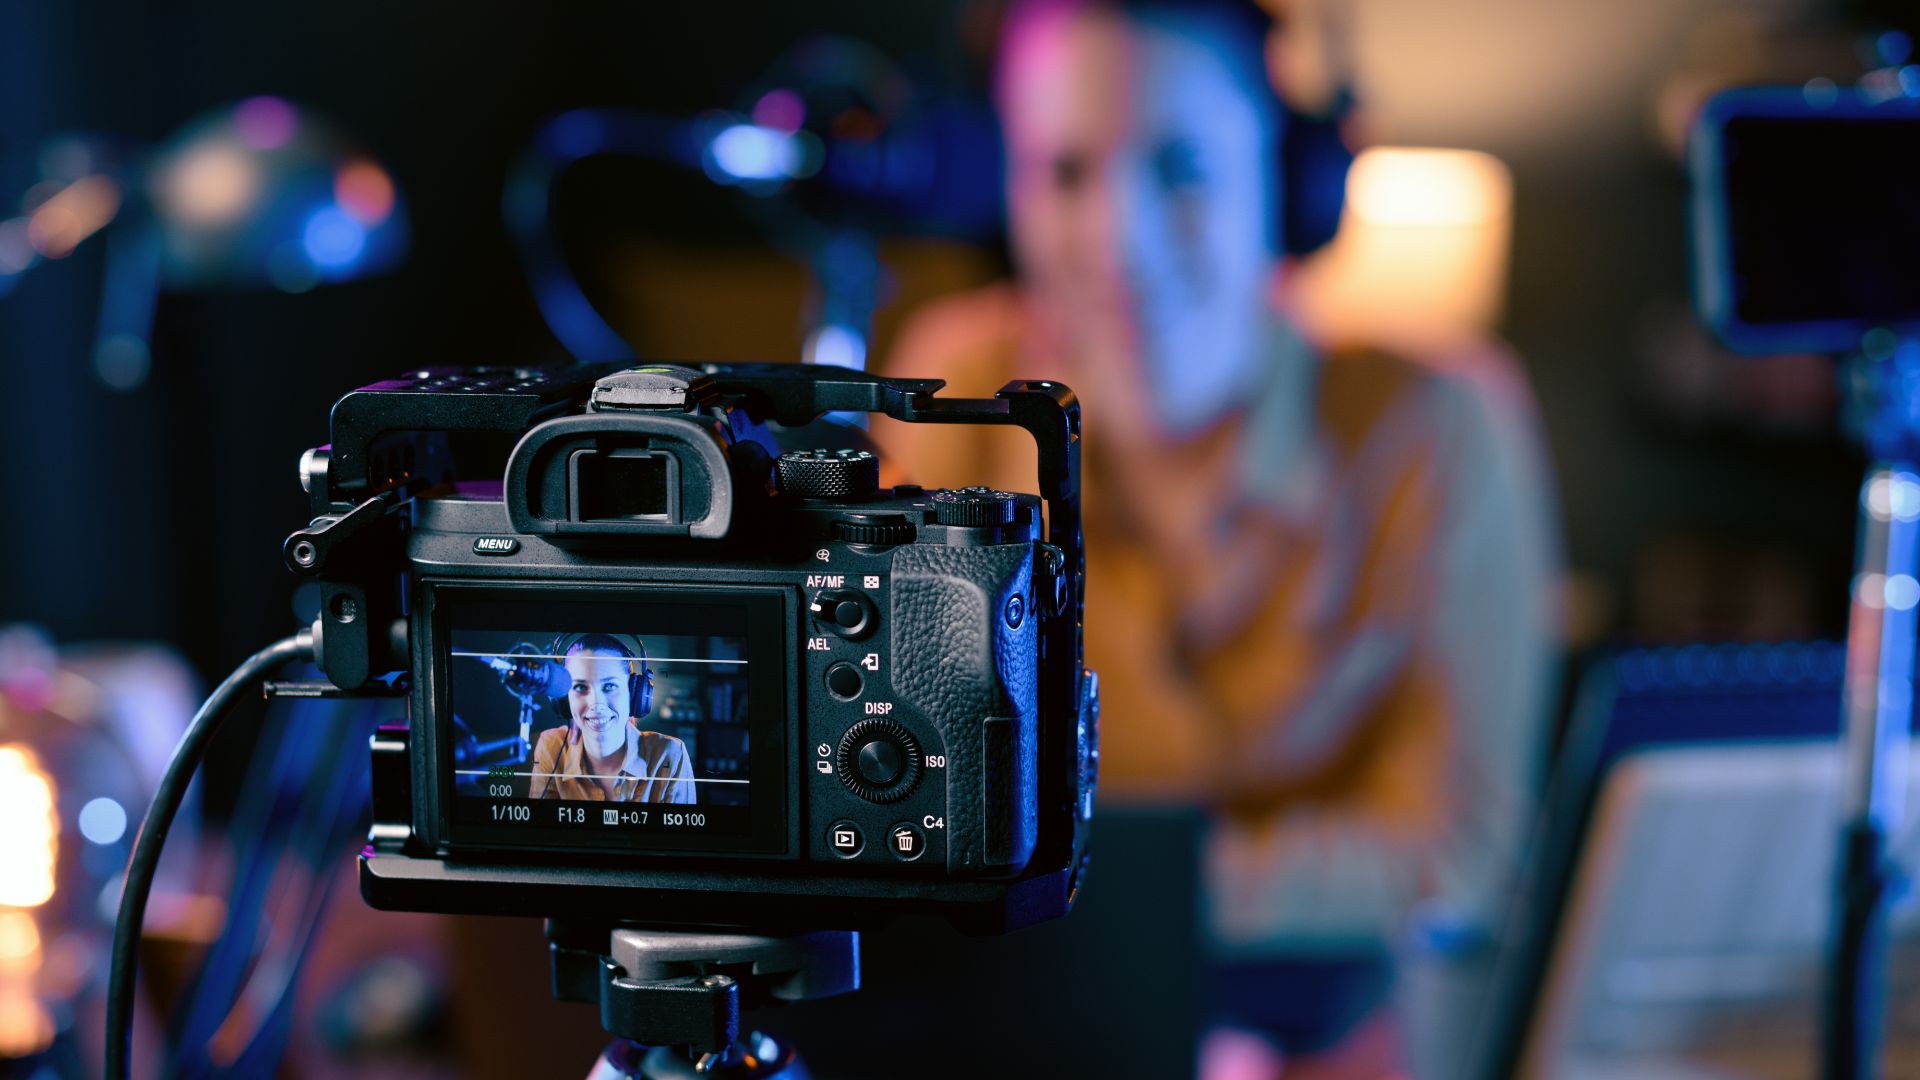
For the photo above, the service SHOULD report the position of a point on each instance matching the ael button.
(843, 681)
(906, 842)
(849, 614)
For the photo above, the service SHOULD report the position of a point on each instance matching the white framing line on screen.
(543, 656)
(591, 776)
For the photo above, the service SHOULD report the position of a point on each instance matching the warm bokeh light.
(212, 184)
(28, 833)
(364, 191)
(1401, 186)
(1421, 257)
(19, 943)
(26, 1027)
(79, 210)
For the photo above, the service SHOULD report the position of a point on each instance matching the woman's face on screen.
(597, 697)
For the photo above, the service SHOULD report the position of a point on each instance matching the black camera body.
(753, 688)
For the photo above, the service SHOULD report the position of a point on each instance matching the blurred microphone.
(834, 144)
(525, 672)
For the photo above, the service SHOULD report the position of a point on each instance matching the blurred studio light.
(1421, 257)
(751, 152)
(832, 146)
(29, 857)
(29, 840)
(260, 194)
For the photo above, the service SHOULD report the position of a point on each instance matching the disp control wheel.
(879, 760)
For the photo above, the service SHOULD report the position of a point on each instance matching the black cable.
(153, 834)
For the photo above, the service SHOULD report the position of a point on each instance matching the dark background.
(158, 513)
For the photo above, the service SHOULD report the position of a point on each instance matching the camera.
(661, 668)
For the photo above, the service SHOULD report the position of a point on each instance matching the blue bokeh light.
(838, 346)
(103, 821)
(332, 239)
(752, 152)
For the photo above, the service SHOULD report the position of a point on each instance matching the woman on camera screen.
(602, 754)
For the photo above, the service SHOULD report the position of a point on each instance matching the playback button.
(843, 837)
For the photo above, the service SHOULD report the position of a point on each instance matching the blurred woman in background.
(1320, 585)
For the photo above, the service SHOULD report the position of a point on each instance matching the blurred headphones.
(1314, 159)
(1313, 155)
(639, 675)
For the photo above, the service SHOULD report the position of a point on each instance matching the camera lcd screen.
(614, 723)
(1822, 219)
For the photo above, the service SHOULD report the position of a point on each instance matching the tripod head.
(672, 999)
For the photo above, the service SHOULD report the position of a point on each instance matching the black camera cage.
(387, 446)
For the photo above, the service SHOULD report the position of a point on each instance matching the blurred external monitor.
(1806, 217)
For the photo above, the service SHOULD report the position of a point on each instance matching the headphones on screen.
(639, 675)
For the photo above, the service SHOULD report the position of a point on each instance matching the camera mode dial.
(879, 760)
(829, 474)
(974, 507)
